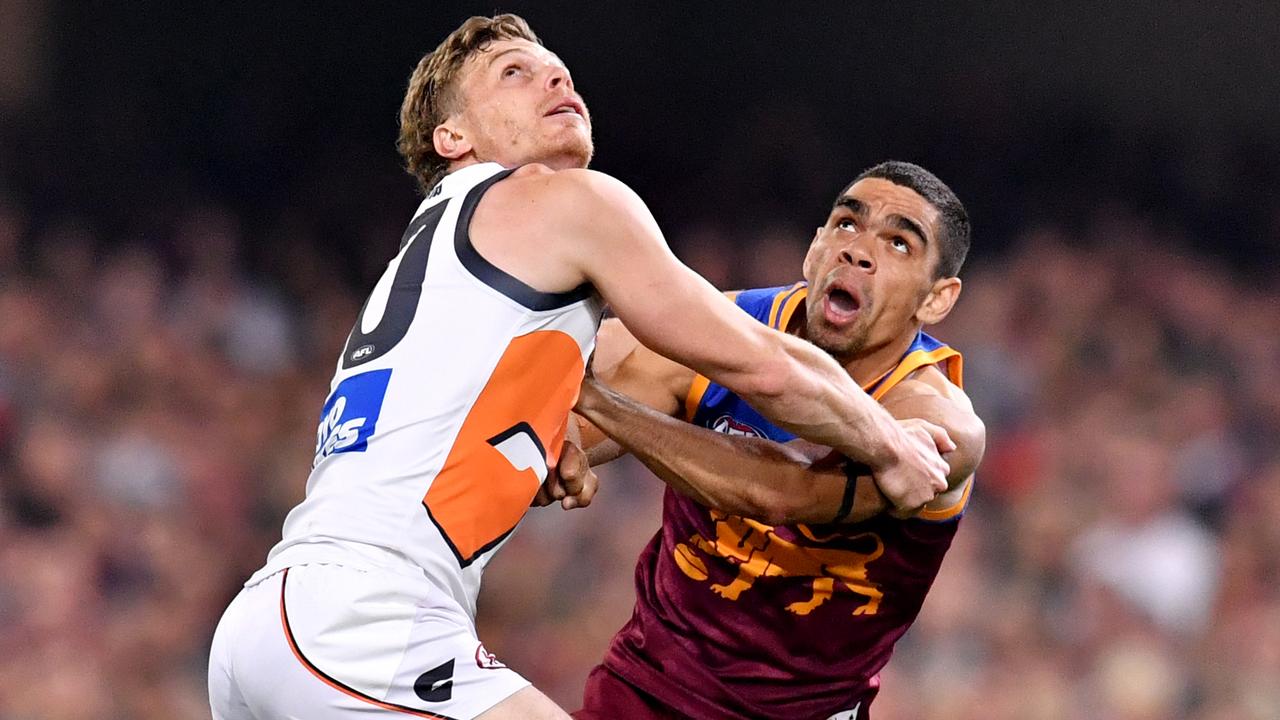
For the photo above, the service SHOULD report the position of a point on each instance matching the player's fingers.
(583, 497)
(543, 498)
(590, 484)
(937, 435)
(941, 470)
(573, 468)
(579, 481)
(941, 438)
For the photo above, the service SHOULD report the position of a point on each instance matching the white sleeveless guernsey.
(449, 403)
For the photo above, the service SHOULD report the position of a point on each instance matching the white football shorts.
(335, 642)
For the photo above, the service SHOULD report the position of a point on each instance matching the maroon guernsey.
(738, 619)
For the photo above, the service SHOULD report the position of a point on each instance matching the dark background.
(195, 199)
(712, 112)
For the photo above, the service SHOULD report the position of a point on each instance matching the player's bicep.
(953, 413)
(696, 326)
(667, 306)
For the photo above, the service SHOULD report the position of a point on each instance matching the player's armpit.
(622, 363)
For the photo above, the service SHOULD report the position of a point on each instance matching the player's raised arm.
(609, 234)
(779, 484)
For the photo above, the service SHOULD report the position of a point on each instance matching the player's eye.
(847, 224)
(511, 71)
(900, 244)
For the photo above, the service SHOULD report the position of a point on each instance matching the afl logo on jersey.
(729, 426)
(350, 415)
(361, 353)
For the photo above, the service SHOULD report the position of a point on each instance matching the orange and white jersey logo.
(449, 404)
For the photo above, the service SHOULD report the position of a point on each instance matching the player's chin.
(836, 341)
(578, 148)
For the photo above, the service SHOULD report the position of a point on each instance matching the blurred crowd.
(1120, 560)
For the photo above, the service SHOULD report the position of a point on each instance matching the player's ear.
(449, 140)
(938, 303)
(808, 256)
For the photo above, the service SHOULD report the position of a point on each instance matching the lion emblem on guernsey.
(758, 552)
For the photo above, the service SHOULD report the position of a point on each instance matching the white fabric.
(460, 331)
(372, 632)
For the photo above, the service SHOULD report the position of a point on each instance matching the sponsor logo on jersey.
(361, 353)
(350, 415)
(729, 426)
(486, 660)
(436, 684)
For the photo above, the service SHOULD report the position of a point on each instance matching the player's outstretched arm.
(778, 484)
(609, 234)
(753, 477)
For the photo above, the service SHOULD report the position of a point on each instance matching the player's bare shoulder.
(555, 204)
(929, 380)
(560, 226)
(928, 394)
(536, 187)
(536, 223)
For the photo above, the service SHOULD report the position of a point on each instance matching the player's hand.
(572, 481)
(920, 474)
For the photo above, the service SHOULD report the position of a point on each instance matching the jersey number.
(387, 314)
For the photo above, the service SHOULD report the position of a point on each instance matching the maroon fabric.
(609, 697)
(800, 634)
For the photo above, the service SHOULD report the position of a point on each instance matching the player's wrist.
(889, 452)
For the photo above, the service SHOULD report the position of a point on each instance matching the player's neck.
(555, 162)
(868, 367)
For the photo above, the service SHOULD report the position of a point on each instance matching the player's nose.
(557, 77)
(857, 255)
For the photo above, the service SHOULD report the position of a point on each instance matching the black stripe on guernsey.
(330, 681)
(496, 278)
(465, 562)
(402, 302)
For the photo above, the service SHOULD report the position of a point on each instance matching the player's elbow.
(785, 500)
(970, 438)
(762, 504)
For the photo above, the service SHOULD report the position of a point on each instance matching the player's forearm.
(600, 448)
(668, 447)
(806, 392)
(747, 476)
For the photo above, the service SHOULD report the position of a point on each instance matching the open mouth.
(568, 107)
(841, 305)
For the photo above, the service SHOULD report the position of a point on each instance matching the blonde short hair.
(432, 94)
